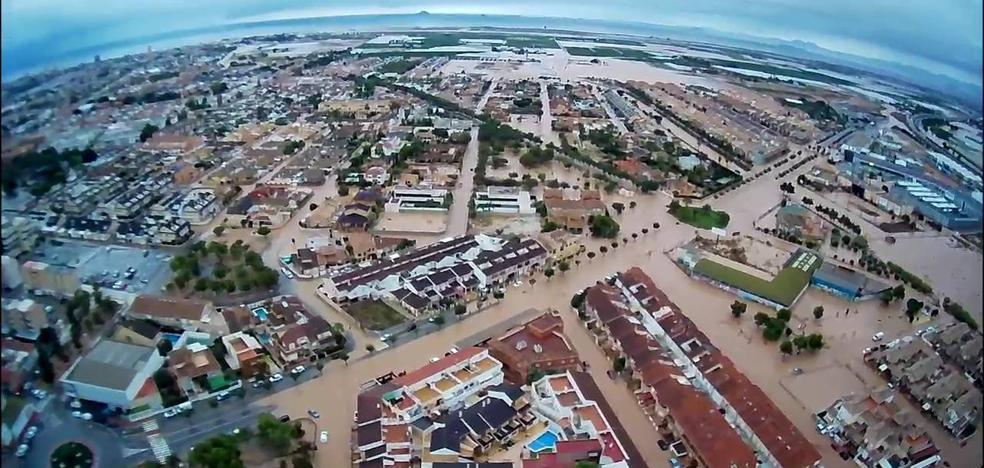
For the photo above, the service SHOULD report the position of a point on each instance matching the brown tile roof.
(786, 443)
(189, 364)
(168, 307)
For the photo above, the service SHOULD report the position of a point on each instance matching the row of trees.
(282, 439)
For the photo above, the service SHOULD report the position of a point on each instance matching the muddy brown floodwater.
(333, 394)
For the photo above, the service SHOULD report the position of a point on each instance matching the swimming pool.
(260, 313)
(172, 337)
(546, 441)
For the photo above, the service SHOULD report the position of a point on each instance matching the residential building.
(195, 369)
(503, 200)
(186, 314)
(25, 317)
(562, 246)
(877, 430)
(19, 235)
(575, 409)
(117, 374)
(449, 269)
(635, 300)
(464, 435)
(138, 332)
(536, 346)
(386, 412)
(301, 341)
(18, 412)
(959, 344)
(418, 199)
(19, 360)
(244, 354)
(571, 209)
(376, 175)
(914, 367)
(55, 280)
(673, 404)
(10, 272)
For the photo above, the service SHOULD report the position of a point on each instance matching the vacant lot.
(816, 389)
(375, 315)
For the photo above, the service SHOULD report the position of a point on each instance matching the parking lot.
(111, 266)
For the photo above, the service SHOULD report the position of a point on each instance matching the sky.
(942, 36)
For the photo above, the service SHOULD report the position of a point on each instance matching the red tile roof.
(435, 367)
(784, 441)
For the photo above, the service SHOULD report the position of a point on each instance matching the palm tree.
(645, 230)
(635, 235)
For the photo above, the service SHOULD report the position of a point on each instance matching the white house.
(116, 374)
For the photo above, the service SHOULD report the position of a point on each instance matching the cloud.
(938, 35)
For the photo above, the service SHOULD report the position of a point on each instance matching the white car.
(77, 414)
(323, 438)
(31, 432)
(87, 416)
(39, 394)
(518, 283)
(287, 273)
(76, 404)
(171, 413)
(435, 359)
(276, 378)
(454, 349)
(22, 450)
(878, 336)
(298, 370)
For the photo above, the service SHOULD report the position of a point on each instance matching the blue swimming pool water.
(546, 441)
(263, 337)
(173, 338)
(260, 313)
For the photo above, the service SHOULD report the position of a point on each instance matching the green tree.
(619, 364)
(549, 272)
(263, 231)
(164, 347)
(275, 435)
(604, 226)
(460, 309)
(577, 300)
(801, 342)
(738, 308)
(818, 312)
(534, 375)
(761, 318)
(45, 366)
(898, 292)
(563, 266)
(784, 314)
(815, 341)
(912, 307)
(786, 347)
(370, 348)
(147, 132)
(218, 452)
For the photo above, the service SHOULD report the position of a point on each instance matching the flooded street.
(333, 393)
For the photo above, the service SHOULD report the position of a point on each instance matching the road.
(333, 394)
(546, 118)
(458, 214)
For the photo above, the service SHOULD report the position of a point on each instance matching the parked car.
(797, 371)
(878, 336)
(31, 432)
(171, 413)
(276, 378)
(298, 370)
(284, 418)
(22, 450)
(76, 404)
(435, 359)
(222, 396)
(39, 394)
(323, 438)
(314, 414)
